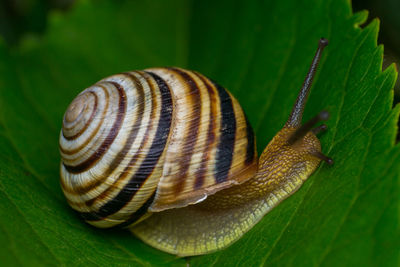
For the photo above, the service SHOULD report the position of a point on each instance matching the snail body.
(171, 155)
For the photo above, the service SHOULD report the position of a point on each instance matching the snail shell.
(157, 142)
(152, 140)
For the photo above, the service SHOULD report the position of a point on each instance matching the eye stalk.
(298, 108)
(321, 156)
(308, 126)
(300, 132)
(296, 115)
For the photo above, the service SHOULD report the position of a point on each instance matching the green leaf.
(345, 214)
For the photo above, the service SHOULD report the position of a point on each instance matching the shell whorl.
(151, 140)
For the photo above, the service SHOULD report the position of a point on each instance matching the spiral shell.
(151, 140)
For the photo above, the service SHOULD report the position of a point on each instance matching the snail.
(170, 155)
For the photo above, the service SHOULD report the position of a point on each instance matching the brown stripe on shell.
(139, 213)
(87, 141)
(88, 122)
(109, 139)
(146, 168)
(94, 132)
(69, 123)
(226, 144)
(117, 183)
(192, 134)
(200, 174)
(124, 151)
(250, 149)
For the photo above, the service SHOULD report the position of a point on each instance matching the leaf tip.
(360, 18)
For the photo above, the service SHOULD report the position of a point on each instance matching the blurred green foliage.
(20, 17)
(26, 17)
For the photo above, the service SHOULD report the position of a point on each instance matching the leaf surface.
(344, 214)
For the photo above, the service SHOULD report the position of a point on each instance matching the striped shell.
(149, 141)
